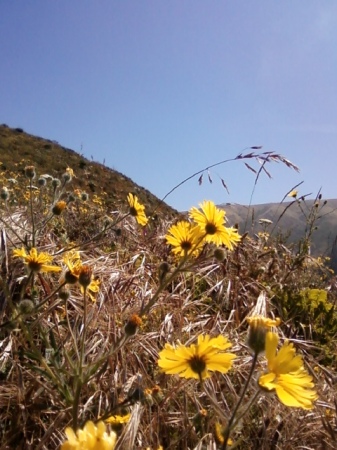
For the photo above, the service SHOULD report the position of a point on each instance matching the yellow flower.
(68, 175)
(293, 193)
(91, 437)
(219, 431)
(185, 238)
(287, 375)
(210, 221)
(77, 272)
(73, 262)
(137, 209)
(59, 207)
(93, 288)
(196, 360)
(260, 321)
(117, 420)
(36, 262)
(259, 324)
(258, 327)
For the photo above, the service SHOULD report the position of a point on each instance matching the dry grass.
(44, 387)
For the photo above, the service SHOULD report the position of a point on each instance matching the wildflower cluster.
(285, 373)
(169, 352)
(207, 226)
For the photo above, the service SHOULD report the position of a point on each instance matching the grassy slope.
(19, 149)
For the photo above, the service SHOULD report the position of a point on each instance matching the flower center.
(133, 211)
(186, 245)
(34, 266)
(210, 228)
(197, 364)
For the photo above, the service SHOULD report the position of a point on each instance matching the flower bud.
(26, 306)
(132, 325)
(30, 172)
(68, 175)
(42, 181)
(59, 207)
(4, 193)
(84, 196)
(64, 294)
(70, 277)
(55, 182)
(220, 254)
(85, 276)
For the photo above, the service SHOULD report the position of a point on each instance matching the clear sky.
(161, 89)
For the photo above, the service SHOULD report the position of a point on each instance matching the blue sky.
(161, 89)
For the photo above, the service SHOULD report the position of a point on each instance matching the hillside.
(19, 149)
(292, 220)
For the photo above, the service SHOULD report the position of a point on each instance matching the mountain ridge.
(295, 220)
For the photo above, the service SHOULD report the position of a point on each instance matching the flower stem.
(32, 211)
(231, 422)
(79, 375)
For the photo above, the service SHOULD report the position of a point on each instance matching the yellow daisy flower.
(184, 238)
(78, 273)
(210, 221)
(91, 437)
(36, 262)
(137, 209)
(196, 360)
(73, 262)
(116, 419)
(287, 375)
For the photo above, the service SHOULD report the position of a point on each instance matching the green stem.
(84, 331)
(232, 418)
(31, 211)
(79, 376)
(76, 402)
(251, 401)
(72, 334)
(49, 297)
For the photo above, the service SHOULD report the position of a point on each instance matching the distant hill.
(19, 149)
(292, 219)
